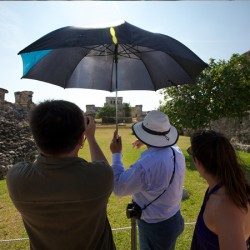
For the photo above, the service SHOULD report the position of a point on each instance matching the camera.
(133, 210)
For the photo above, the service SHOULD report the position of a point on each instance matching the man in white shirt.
(155, 181)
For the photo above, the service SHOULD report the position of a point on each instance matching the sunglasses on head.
(202, 133)
(190, 151)
(208, 132)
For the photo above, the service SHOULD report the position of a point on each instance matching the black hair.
(57, 126)
(220, 160)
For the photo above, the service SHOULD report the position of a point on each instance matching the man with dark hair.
(61, 197)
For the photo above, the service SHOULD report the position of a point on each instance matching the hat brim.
(158, 141)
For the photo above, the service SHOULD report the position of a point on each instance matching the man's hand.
(116, 143)
(90, 127)
(95, 151)
(137, 144)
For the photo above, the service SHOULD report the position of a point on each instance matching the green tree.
(127, 109)
(222, 90)
(106, 111)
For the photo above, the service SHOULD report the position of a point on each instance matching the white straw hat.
(155, 130)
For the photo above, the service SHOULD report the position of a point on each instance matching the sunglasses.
(204, 132)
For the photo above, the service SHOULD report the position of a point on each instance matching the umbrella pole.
(116, 112)
(116, 87)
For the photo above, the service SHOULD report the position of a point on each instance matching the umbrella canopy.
(123, 57)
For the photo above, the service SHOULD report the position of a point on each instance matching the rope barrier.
(114, 230)
(190, 223)
(121, 229)
(11, 240)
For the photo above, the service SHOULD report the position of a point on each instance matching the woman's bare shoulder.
(226, 214)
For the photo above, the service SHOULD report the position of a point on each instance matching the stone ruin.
(136, 111)
(18, 111)
(237, 130)
(16, 142)
(24, 99)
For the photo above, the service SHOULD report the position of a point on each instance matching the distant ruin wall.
(24, 99)
(20, 109)
(16, 142)
(238, 131)
(2, 94)
(136, 111)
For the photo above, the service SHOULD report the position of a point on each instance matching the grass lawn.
(11, 226)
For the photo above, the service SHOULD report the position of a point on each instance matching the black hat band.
(152, 132)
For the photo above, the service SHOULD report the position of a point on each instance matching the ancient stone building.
(136, 112)
(111, 101)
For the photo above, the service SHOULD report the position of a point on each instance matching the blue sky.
(211, 29)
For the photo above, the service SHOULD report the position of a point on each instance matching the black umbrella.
(122, 57)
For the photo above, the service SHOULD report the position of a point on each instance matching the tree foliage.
(127, 109)
(110, 111)
(106, 111)
(222, 90)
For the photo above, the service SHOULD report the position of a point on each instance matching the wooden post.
(133, 234)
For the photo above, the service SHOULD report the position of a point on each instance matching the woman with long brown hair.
(224, 220)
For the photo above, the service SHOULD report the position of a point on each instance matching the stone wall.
(2, 94)
(16, 142)
(112, 100)
(238, 131)
(91, 110)
(137, 113)
(24, 99)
